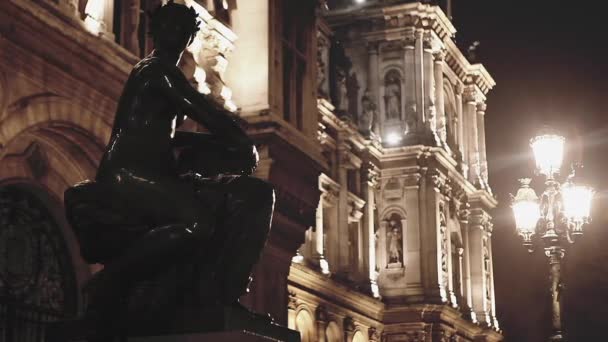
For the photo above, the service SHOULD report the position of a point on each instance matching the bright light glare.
(525, 207)
(393, 138)
(526, 215)
(577, 202)
(359, 1)
(548, 153)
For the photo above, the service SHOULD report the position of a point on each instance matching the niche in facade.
(392, 96)
(394, 242)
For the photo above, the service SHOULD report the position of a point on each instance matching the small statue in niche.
(342, 92)
(395, 244)
(322, 61)
(164, 199)
(368, 114)
(393, 96)
(320, 73)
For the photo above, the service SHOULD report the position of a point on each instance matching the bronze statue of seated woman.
(164, 199)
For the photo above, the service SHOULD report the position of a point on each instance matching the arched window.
(37, 283)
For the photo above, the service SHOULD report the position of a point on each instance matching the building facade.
(370, 124)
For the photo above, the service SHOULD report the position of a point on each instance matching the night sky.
(549, 62)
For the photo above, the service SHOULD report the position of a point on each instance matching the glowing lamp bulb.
(577, 202)
(548, 152)
(525, 208)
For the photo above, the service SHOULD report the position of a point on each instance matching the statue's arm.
(217, 120)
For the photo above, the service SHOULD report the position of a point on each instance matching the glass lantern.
(576, 201)
(548, 152)
(526, 210)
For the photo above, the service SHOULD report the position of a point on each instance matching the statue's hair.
(172, 12)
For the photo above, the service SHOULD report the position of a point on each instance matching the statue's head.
(173, 26)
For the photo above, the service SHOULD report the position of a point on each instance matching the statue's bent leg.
(243, 233)
(182, 223)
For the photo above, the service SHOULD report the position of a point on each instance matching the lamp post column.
(556, 254)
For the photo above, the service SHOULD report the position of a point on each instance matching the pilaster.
(481, 134)
(440, 100)
(480, 282)
(370, 181)
(471, 134)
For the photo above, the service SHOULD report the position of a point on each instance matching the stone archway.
(37, 280)
(47, 143)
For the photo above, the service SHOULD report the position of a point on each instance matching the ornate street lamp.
(557, 217)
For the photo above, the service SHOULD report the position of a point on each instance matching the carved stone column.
(349, 329)
(467, 306)
(325, 214)
(413, 249)
(412, 117)
(440, 101)
(292, 304)
(369, 183)
(374, 335)
(460, 290)
(430, 235)
(430, 108)
(321, 321)
(319, 248)
(491, 279)
(481, 135)
(343, 261)
(418, 83)
(479, 289)
(471, 133)
(461, 127)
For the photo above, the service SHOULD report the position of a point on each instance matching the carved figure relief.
(392, 95)
(411, 119)
(395, 242)
(342, 94)
(368, 118)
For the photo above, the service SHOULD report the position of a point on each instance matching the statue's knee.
(258, 190)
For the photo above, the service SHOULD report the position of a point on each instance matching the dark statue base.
(171, 307)
(208, 324)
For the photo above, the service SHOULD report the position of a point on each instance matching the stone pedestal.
(204, 324)
(228, 336)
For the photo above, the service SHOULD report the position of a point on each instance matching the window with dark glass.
(295, 39)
